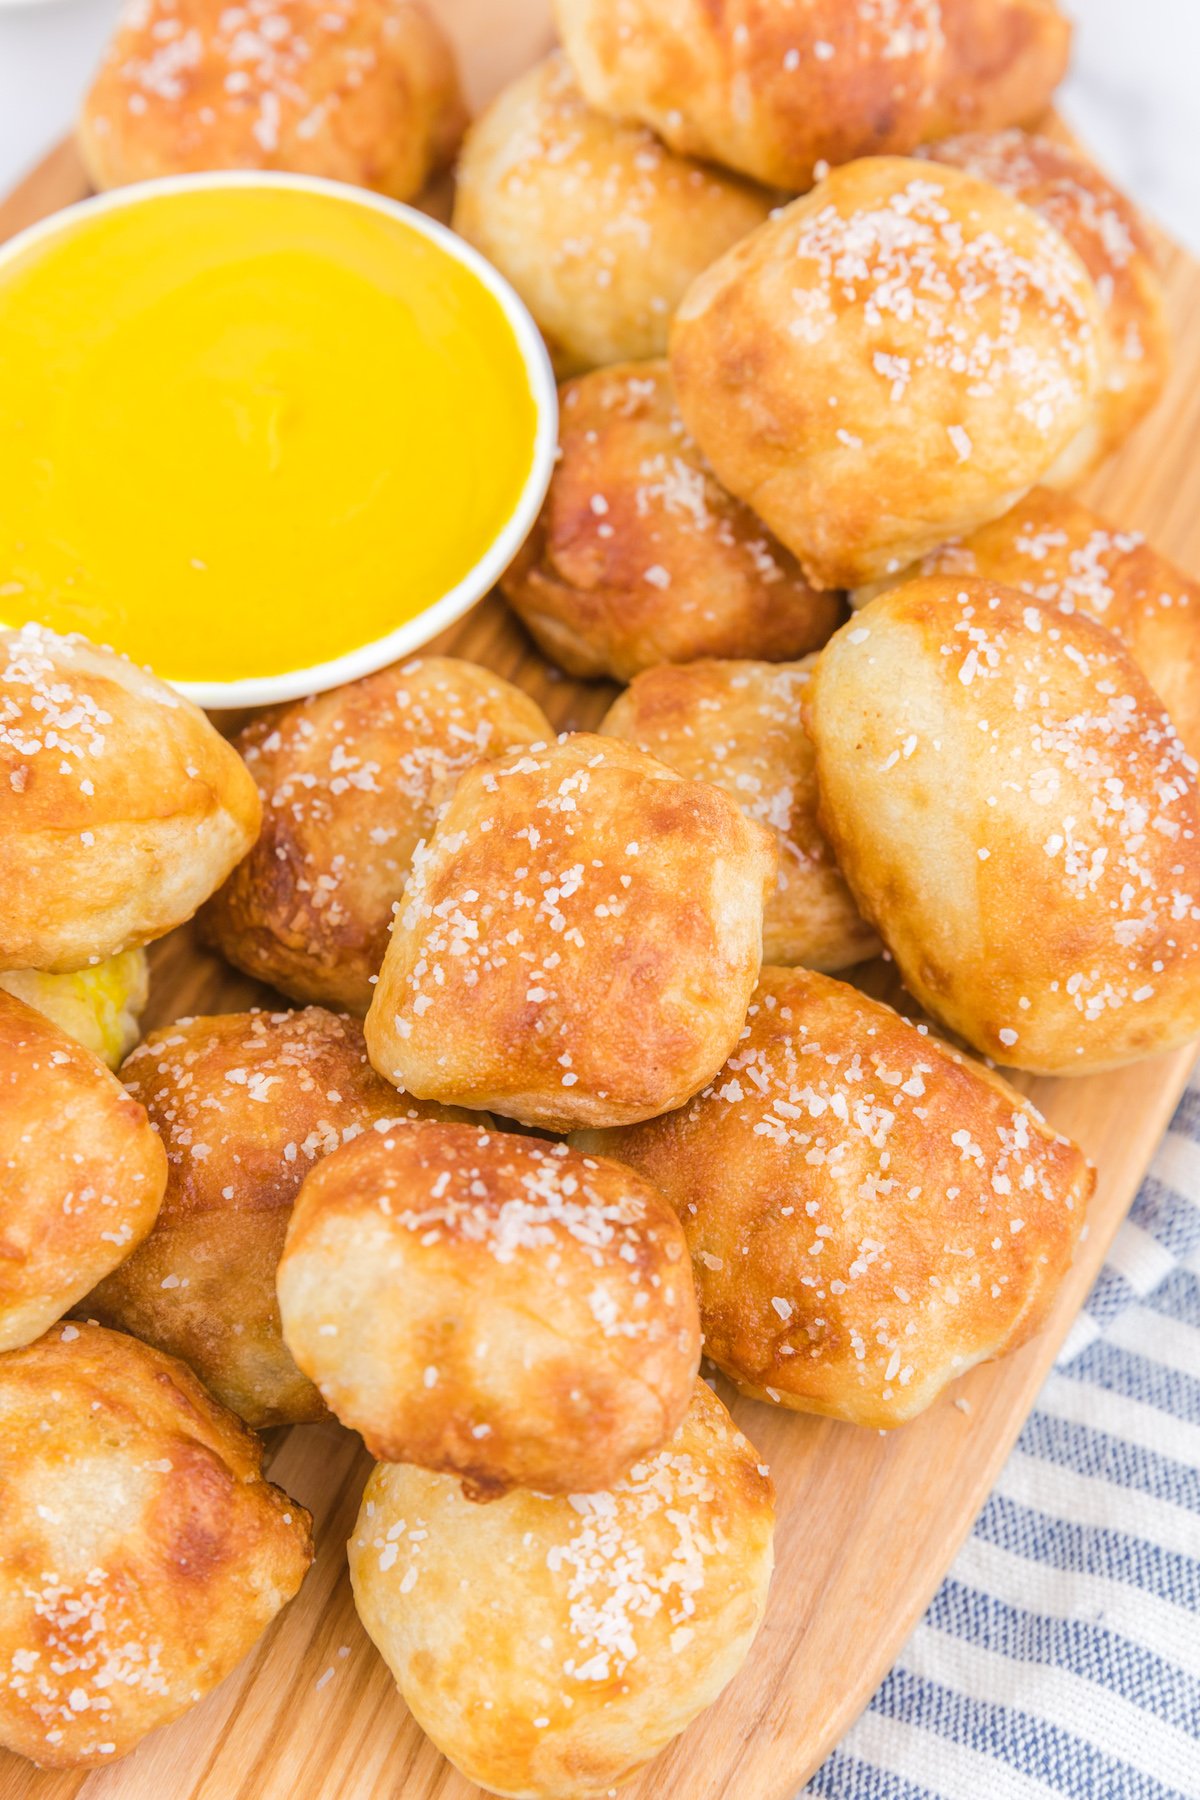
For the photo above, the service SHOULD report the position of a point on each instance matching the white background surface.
(1132, 92)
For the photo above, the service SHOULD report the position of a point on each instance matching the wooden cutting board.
(867, 1523)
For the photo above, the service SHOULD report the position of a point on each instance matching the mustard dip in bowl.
(264, 433)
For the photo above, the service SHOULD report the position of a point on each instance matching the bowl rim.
(440, 614)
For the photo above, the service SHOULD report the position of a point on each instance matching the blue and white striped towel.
(1061, 1656)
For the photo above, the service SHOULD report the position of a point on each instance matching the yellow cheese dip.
(247, 428)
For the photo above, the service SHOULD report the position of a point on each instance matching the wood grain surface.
(868, 1523)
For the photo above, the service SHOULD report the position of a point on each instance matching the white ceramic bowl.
(482, 577)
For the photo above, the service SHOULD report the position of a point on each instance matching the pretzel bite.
(121, 808)
(362, 91)
(894, 358)
(491, 1306)
(141, 1552)
(99, 1007)
(739, 725)
(869, 1214)
(245, 1104)
(348, 781)
(600, 229)
(1060, 552)
(81, 1173)
(577, 943)
(1003, 60)
(551, 1645)
(778, 90)
(1014, 811)
(640, 557)
(1114, 246)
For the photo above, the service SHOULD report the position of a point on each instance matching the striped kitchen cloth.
(1062, 1654)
